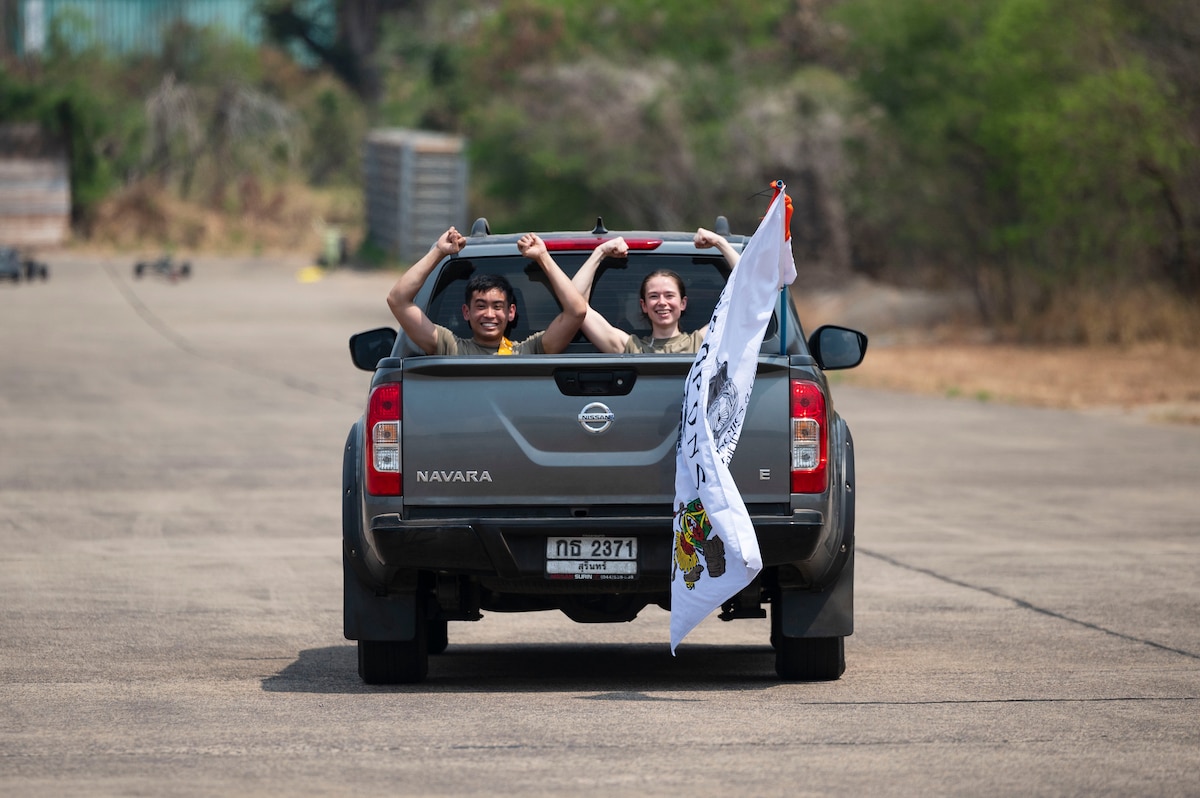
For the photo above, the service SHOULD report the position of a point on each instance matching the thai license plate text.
(591, 557)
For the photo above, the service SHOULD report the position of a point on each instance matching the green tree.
(1035, 144)
(634, 111)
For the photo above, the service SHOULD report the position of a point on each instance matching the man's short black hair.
(482, 283)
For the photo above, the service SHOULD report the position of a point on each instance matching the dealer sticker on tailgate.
(593, 557)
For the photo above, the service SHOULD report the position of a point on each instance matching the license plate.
(592, 557)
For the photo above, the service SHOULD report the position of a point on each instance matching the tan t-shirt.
(675, 345)
(450, 344)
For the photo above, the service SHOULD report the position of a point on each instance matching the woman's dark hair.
(663, 273)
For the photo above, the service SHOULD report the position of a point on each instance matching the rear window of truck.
(614, 293)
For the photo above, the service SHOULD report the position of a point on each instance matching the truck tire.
(810, 659)
(438, 636)
(394, 661)
(805, 659)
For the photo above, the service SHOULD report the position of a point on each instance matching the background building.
(121, 26)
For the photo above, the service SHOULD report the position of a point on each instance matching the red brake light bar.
(588, 243)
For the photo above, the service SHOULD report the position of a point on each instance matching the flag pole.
(787, 236)
(783, 320)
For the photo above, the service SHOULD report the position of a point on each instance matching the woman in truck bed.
(663, 299)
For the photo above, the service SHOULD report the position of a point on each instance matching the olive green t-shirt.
(450, 344)
(675, 345)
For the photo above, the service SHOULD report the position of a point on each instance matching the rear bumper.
(515, 548)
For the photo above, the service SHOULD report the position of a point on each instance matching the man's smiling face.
(489, 313)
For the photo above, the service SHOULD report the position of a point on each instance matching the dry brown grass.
(1155, 379)
(1120, 316)
(921, 343)
(255, 218)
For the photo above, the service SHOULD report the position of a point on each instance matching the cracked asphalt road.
(1027, 608)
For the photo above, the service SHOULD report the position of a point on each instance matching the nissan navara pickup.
(475, 485)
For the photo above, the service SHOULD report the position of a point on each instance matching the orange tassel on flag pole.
(787, 204)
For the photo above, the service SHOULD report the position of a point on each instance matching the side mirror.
(837, 347)
(368, 348)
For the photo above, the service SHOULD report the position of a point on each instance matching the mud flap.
(367, 616)
(829, 613)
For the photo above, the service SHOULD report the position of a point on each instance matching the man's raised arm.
(412, 319)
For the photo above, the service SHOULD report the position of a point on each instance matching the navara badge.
(596, 418)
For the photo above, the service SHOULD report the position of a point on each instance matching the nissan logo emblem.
(596, 418)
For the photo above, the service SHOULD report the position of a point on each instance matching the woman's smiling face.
(663, 303)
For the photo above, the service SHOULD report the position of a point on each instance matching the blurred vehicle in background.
(164, 266)
(14, 267)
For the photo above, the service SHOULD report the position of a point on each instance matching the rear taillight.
(810, 448)
(383, 441)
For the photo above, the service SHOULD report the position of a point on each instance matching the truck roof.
(587, 240)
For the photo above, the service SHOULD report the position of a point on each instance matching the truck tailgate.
(570, 431)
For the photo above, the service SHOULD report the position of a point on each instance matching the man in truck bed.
(489, 306)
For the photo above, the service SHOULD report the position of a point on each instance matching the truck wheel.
(810, 659)
(439, 636)
(394, 661)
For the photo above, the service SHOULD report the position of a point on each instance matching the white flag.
(716, 550)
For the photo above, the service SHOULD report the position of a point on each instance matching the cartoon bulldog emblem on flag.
(692, 541)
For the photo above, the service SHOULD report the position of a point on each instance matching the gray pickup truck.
(546, 482)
